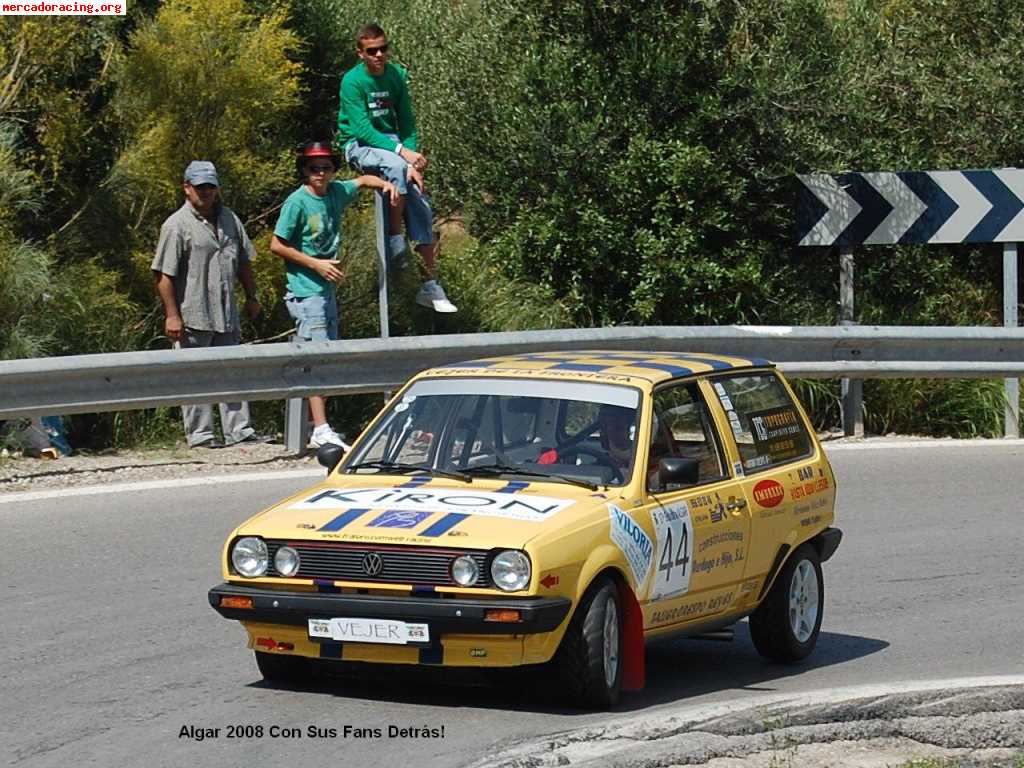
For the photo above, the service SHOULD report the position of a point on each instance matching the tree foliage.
(594, 162)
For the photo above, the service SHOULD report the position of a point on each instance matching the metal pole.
(380, 216)
(1011, 387)
(852, 390)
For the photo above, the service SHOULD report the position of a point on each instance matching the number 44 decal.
(673, 529)
(680, 559)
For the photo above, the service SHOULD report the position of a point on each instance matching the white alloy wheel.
(611, 642)
(804, 601)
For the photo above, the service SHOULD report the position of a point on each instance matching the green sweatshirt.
(374, 106)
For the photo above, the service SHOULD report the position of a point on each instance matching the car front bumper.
(462, 616)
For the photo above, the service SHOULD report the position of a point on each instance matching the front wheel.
(589, 659)
(785, 626)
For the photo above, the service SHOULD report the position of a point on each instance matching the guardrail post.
(1011, 387)
(852, 390)
(296, 423)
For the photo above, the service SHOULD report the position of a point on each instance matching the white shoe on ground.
(432, 295)
(324, 434)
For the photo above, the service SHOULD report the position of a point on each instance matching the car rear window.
(765, 421)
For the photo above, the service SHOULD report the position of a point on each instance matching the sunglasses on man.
(373, 50)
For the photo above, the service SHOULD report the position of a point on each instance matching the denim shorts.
(316, 317)
(419, 218)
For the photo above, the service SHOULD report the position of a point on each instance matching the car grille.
(419, 566)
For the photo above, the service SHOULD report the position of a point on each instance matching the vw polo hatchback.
(548, 509)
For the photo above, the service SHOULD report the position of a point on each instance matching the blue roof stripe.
(343, 519)
(579, 367)
(675, 370)
(416, 482)
(514, 486)
(445, 524)
(720, 365)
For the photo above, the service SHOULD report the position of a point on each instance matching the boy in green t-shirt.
(307, 236)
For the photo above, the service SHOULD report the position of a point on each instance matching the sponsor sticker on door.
(769, 493)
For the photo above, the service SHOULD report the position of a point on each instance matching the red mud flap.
(633, 673)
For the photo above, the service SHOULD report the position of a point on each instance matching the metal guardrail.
(130, 380)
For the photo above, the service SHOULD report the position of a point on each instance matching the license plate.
(386, 631)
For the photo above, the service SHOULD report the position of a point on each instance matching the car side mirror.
(329, 455)
(678, 471)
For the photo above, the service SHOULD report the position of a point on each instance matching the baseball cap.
(201, 172)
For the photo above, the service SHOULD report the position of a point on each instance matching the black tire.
(281, 669)
(589, 660)
(785, 626)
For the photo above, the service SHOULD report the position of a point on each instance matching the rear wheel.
(282, 669)
(785, 626)
(589, 659)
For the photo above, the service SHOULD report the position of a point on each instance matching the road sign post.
(851, 390)
(1011, 387)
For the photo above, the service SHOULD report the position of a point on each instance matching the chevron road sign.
(848, 209)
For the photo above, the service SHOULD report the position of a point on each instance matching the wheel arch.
(633, 658)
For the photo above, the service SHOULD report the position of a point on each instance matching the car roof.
(613, 366)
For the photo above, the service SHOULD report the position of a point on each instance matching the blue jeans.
(419, 218)
(316, 317)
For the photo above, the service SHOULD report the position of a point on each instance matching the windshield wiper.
(504, 469)
(401, 469)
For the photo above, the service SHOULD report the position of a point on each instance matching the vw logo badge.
(373, 564)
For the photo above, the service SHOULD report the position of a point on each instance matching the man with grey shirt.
(203, 248)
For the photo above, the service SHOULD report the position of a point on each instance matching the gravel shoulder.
(26, 474)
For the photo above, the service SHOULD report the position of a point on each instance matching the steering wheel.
(600, 458)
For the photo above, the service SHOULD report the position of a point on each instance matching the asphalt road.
(111, 651)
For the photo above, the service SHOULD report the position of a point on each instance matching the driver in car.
(615, 428)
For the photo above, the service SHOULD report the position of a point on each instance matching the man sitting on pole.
(377, 132)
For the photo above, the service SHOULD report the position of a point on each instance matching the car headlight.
(510, 570)
(286, 561)
(465, 571)
(249, 556)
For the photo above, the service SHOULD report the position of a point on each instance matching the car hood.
(425, 511)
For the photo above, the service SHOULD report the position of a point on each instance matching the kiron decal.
(529, 508)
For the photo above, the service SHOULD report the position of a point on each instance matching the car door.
(701, 530)
(788, 482)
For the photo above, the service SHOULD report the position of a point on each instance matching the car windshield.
(493, 427)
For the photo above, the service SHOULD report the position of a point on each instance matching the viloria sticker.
(633, 541)
(769, 493)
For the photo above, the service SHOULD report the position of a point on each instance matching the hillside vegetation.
(594, 162)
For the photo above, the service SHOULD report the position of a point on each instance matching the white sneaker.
(432, 295)
(324, 434)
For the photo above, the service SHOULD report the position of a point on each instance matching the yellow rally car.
(550, 507)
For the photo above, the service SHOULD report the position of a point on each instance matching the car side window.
(765, 421)
(681, 428)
